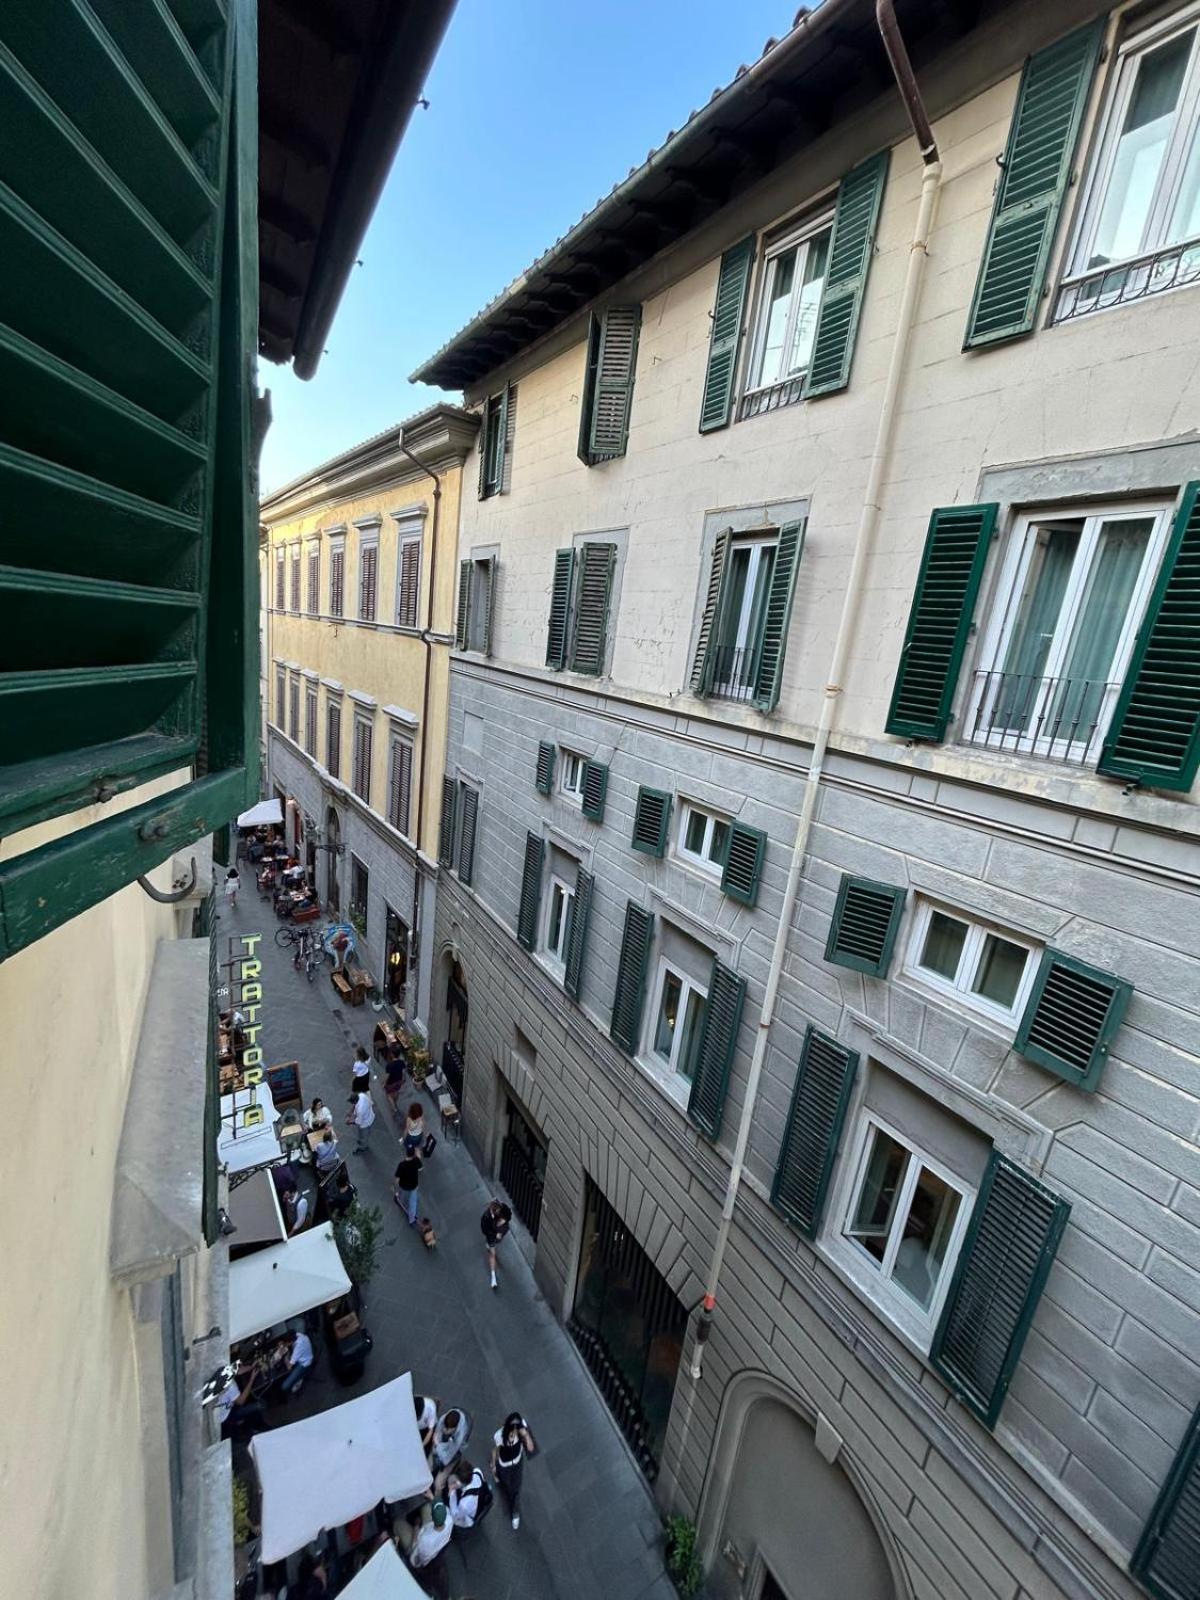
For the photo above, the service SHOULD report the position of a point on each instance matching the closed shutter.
(589, 636)
(577, 925)
(560, 609)
(294, 709)
(702, 663)
(777, 616)
(824, 1080)
(1007, 1255)
(310, 723)
(280, 698)
(850, 250)
(531, 891)
(729, 309)
(865, 922)
(337, 582)
(650, 821)
(314, 582)
(1167, 1558)
(485, 439)
(462, 624)
(608, 385)
(1154, 736)
(544, 776)
(714, 1053)
(400, 796)
(466, 836)
(1070, 1019)
(630, 994)
(368, 561)
(594, 790)
(940, 620)
(743, 863)
(333, 740)
(489, 600)
(296, 580)
(446, 832)
(362, 759)
(280, 581)
(409, 584)
(1034, 174)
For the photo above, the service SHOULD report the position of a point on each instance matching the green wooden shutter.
(865, 922)
(650, 821)
(612, 361)
(630, 994)
(777, 616)
(594, 790)
(497, 486)
(729, 308)
(577, 926)
(531, 891)
(544, 777)
(560, 609)
(489, 600)
(850, 250)
(1154, 736)
(1002, 1268)
(446, 833)
(702, 663)
(589, 637)
(715, 1049)
(824, 1080)
(940, 620)
(1167, 1558)
(1034, 174)
(743, 863)
(509, 439)
(1070, 1019)
(211, 1192)
(462, 622)
(483, 449)
(588, 399)
(466, 837)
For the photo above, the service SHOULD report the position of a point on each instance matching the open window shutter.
(489, 603)
(630, 992)
(939, 623)
(466, 838)
(577, 925)
(850, 250)
(531, 891)
(1167, 1558)
(650, 821)
(501, 441)
(1034, 174)
(594, 790)
(589, 636)
(702, 664)
(588, 398)
(1154, 736)
(545, 767)
(865, 922)
(446, 836)
(483, 448)
(612, 383)
(560, 609)
(1070, 1019)
(777, 616)
(714, 1052)
(509, 439)
(462, 625)
(1008, 1252)
(729, 309)
(743, 863)
(817, 1113)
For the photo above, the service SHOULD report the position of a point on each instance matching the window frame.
(337, 571)
(359, 868)
(711, 866)
(483, 573)
(669, 1068)
(756, 540)
(556, 959)
(406, 536)
(493, 409)
(573, 795)
(770, 249)
(978, 931)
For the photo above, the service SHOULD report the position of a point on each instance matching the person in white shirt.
(300, 1360)
(424, 1543)
(317, 1116)
(466, 1490)
(361, 1072)
(362, 1119)
(426, 1409)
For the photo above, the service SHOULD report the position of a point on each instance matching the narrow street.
(589, 1525)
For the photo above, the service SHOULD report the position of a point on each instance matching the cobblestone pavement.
(589, 1526)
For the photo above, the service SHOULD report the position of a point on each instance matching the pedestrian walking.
(362, 1119)
(342, 1197)
(414, 1128)
(405, 1192)
(494, 1224)
(394, 1081)
(233, 883)
(361, 1078)
(511, 1443)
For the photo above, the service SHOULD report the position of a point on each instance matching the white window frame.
(707, 864)
(959, 988)
(688, 986)
(1003, 620)
(572, 793)
(756, 543)
(555, 957)
(408, 532)
(801, 235)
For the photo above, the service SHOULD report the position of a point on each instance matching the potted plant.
(357, 1235)
(418, 1064)
(683, 1562)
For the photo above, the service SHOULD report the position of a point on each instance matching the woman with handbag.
(511, 1443)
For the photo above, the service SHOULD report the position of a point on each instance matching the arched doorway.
(454, 1048)
(333, 840)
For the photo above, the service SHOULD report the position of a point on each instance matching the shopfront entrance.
(333, 841)
(395, 959)
(454, 1049)
(523, 1157)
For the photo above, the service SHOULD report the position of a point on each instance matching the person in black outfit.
(341, 1197)
(494, 1224)
(511, 1443)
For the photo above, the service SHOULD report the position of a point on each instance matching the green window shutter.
(589, 636)
(729, 309)
(702, 663)
(1070, 1019)
(777, 616)
(1167, 1558)
(650, 821)
(630, 993)
(594, 790)
(509, 438)
(715, 1049)
(1005, 1259)
(820, 1099)
(1154, 736)
(462, 621)
(560, 609)
(577, 926)
(489, 600)
(855, 221)
(483, 449)
(446, 833)
(608, 393)
(588, 400)
(466, 837)
(865, 922)
(501, 442)
(544, 779)
(743, 863)
(940, 620)
(531, 891)
(1034, 174)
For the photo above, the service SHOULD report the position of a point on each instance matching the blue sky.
(536, 108)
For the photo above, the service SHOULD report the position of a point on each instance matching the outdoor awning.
(255, 1214)
(327, 1469)
(242, 1148)
(257, 1095)
(259, 816)
(385, 1577)
(268, 1288)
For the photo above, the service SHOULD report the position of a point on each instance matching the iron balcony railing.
(732, 673)
(1127, 281)
(1060, 719)
(522, 1183)
(452, 1070)
(784, 393)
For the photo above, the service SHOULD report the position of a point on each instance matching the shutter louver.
(593, 791)
(777, 616)
(1071, 1017)
(333, 740)
(850, 251)
(743, 863)
(577, 925)
(337, 582)
(510, 435)
(294, 709)
(701, 679)
(1167, 1558)
(410, 583)
(531, 891)
(729, 309)
(489, 604)
(462, 621)
(650, 821)
(940, 620)
(630, 993)
(484, 417)
(1154, 736)
(865, 922)
(715, 1050)
(314, 582)
(1013, 1234)
(1034, 174)
(446, 833)
(279, 583)
(368, 559)
(295, 558)
(608, 389)
(544, 777)
(824, 1079)
(589, 637)
(466, 836)
(401, 787)
(560, 609)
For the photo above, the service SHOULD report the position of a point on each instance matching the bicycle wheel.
(285, 937)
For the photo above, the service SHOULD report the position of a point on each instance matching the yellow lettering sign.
(252, 1075)
(253, 1116)
(251, 969)
(253, 1058)
(252, 991)
(251, 941)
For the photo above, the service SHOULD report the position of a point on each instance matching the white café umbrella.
(275, 1284)
(385, 1577)
(259, 816)
(240, 1148)
(325, 1470)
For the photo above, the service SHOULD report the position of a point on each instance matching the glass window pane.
(720, 841)
(697, 822)
(557, 907)
(685, 1062)
(731, 610)
(813, 281)
(754, 616)
(1000, 970)
(1078, 699)
(775, 311)
(1185, 215)
(1038, 609)
(927, 1231)
(876, 1205)
(668, 1015)
(943, 945)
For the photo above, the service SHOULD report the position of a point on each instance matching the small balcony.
(1122, 283)
(1056, 719)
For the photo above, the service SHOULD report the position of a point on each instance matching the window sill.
(553, 969)
(678, 1090)
(913, 1333)
(957, 1006)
